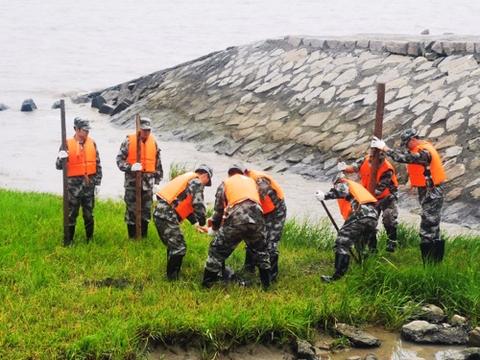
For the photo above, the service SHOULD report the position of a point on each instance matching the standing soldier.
(272, 200)
(152, 173)
(237, 216)
(426, 173)
(84, 172)
(358, 208)
(385, 192)
(180, 199)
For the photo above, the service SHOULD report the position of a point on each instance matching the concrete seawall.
(302, 104)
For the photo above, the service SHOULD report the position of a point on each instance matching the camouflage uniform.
(388, 205)
(358, 229)
(167, 220)
(244, 221)
(430, 197)
(81, 193)
(148, 180)
(274, 223)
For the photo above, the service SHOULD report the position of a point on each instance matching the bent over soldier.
(180, 199)
(358, 208)
(272, 200)
(237, 216)
(426, 173)
(84, 172)
(386, 190)
(152, 172)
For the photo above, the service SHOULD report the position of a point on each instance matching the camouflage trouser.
(431, 201)
(389, 209)
(84, 196)
(130, 202)
(273, 228)
(171, 235)
(227, 239)
(354, 231)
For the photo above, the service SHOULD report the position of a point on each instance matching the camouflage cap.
(79, 123)
(145, 123)
(238, 167)
(205, 169)
(408, 134)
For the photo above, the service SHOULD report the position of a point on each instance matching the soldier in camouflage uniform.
(181, 198)
(386, 190)
(152, 173)
(426, 173)
(358, 208)
(275, 212)
(237, 216)
(84, 172)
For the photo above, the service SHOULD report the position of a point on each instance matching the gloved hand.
(320, 195)
(211, 232)
(199, 228)
(136, 167)
(377, 143)
(97, 189)
(341, 166)
(62, 154)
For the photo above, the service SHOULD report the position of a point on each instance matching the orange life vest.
(416, 171)
(148, 151)
(82, 159)
(173, 189)
(239, 188)
(359, 193)
(366, 171)
(267, 203)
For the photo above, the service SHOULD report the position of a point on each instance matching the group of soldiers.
(250, 204)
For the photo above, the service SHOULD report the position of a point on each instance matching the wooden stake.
(138, 184)
(66, 229)
(377, 131)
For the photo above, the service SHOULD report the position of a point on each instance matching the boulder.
(56, 105)
(357, 337)
(305, 350)
(465, 354)
(432, 313)
(98, 101)
(122, 106)
(28, 105)
(474, 337)
(458, 320)
(3, 107)
(106, 109)
(421, 331)
(131, 86)
(80, 99)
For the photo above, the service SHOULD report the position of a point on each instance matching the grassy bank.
(109, 298)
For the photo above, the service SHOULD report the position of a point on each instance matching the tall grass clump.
(110, 298)
(178, 168)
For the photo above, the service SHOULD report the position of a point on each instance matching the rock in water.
(98, 101)
(3, 107)
(28, 105)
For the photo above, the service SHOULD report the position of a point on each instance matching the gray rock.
(454, 121)
(357, 337)
(106, 109)
(316, 119)
(420, 331)
(465, 354)
(97, 102)
(453, 151)
(474, 337)
(28, 105)
(370, 357)
(81, 99)
(305, 350)
(439, 115)
(122, 106)
(460, 104)
(458, 320)
(3, 107)
(55, 105)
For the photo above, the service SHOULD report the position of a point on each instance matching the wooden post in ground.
(66, 229)
(377, 131)
(138, 184)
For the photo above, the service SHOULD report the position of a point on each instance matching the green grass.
(110, 299)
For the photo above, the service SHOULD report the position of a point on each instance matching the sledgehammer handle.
(330, 215)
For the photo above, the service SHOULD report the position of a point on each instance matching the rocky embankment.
(302, 104)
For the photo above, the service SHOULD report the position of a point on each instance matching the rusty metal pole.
(138, 184)
(377, 131)
(66, 229)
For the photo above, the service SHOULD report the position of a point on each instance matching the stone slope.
(302, 104)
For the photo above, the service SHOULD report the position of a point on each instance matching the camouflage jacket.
(195, 188)
(95, 179)
(265, 189)
(246, 212)
(148, 179)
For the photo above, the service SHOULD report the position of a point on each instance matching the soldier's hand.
(377, 143)
(320, 195)
(201, 229)
(136, 167)
(62, 154)
(341, 166)
(97, 189)
(211, 232)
